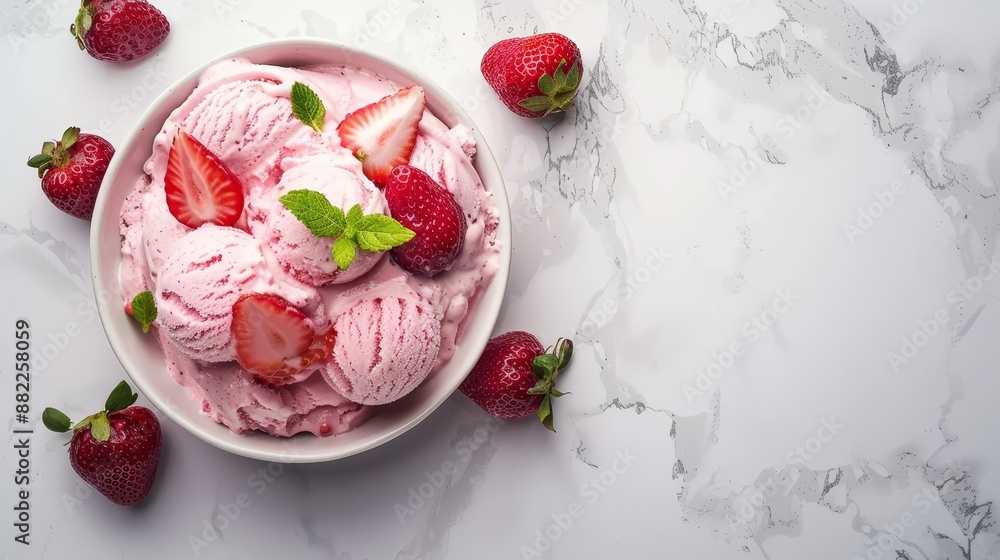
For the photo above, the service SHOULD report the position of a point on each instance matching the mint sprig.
(144, 309)
(353, 229)
(307, 106)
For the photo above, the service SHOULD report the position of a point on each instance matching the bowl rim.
(486, 167)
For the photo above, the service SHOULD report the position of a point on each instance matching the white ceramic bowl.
(142, 357)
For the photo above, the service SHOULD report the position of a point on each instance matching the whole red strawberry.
(116, 450)
(536, 75)
(419, 203)
(72, 170)
(515, 377)
(119, 30)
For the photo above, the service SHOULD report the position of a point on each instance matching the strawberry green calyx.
(547, 367)
(83, 22)
(558, 90)
(99, 426)
(55, 154)
(55, 420)
(121, 397)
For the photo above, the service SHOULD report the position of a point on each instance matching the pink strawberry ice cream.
(387, 342)
(199, 284)
(393, 330)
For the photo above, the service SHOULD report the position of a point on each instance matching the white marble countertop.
(771, 225)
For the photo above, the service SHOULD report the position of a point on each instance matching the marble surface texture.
(769, 225)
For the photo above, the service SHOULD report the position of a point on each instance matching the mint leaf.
(121, 397)
(315, 211)
(55, 420)
(354, 216)
(377, 232)
(144, 309)
(307, 106)
(343, 251)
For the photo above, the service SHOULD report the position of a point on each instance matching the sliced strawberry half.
(200, 188)
(274, 340)
(318, 352)
(382, 135)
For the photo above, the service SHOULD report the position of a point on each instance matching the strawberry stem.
(545, 413)
(55, 154)
(558, 90)
(546, 367)
(60, 157)
(99, 426)
(121, 397)
(83, 22)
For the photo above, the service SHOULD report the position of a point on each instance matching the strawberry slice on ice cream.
(274, 340)
(200, 188)
(382, 135)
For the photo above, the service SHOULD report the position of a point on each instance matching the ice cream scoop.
(241, 118)
(198, 285)
(387, 343)
(337, 176)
